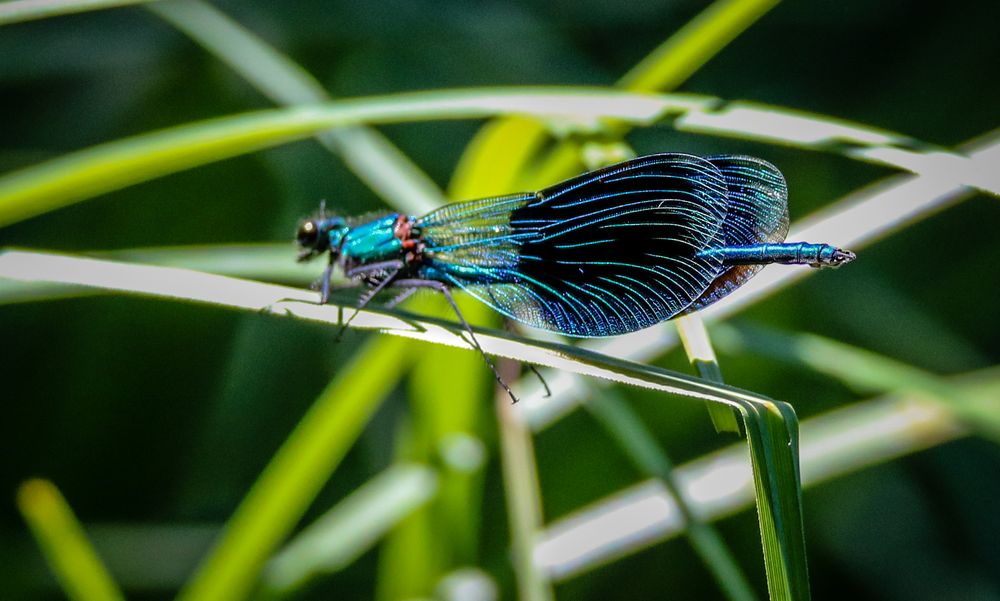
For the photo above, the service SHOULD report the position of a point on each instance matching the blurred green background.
(155, 418)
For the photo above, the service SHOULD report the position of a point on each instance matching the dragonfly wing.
(758, 213)
(605, 253)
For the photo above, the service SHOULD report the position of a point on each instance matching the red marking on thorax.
(403, 230)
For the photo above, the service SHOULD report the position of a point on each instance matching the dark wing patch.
(605, 253)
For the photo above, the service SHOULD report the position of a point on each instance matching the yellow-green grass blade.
(114, 165)
(720, 484)
(17, 11)
(64, 543)
(296, 473)
(256, 528)
(859, 368)
(692, 46)
(530, 163)
(448, 389)
(698, 347)
(350, 527)
(641, 447)
(369, 154)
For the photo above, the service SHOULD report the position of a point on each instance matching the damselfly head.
(319, 235)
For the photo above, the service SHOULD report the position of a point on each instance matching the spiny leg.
(402, 296)
(443, 289)
(367, 297)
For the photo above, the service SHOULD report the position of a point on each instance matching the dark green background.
(148, 413)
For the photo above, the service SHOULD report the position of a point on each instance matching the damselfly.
(604, 253)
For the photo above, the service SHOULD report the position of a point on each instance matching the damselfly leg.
(443, 289)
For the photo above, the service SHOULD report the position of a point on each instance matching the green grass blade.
(641, 447)
(382, 166)
(720, 484)
(295, 475)
(114, 165)
(772, 434)
(351, 527)
(524, 502)
(698, 347)
(859, 368)
(64, 543)
(259, 261)
(770, 425)
(17, 11)
(513, 144)
(447, 432)
(680, 56)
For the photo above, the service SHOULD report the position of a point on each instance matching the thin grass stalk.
(64, 543)
(719, 485)
(295, 476)
(524, 502)
(638, 443)
(370, 155)
(19, 11)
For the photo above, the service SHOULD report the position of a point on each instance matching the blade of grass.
(524, 501)
(64, 543)
(701, 38)
(719, 485)
(114, 165)
(444, 535)
(698, 347)
(382, 166)
(350, 527)
(646, 454)
(665, 68)
(295, 475)
(18, 11)
(859, 368)
(770, 425)
(263, 261)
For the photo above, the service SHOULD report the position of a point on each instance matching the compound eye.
(308, 234)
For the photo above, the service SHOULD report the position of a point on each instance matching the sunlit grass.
(64, 543)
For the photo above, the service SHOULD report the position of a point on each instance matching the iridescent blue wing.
(605, 253)
(758, 213)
